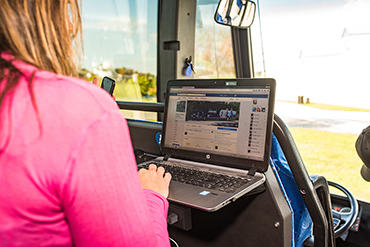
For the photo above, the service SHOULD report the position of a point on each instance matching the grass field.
(330, 107)
(334, 156)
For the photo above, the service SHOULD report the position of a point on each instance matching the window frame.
(176, 41)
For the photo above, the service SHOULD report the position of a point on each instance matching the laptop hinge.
(252, 172)
(166, 157)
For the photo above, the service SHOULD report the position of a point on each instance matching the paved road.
(295, 115)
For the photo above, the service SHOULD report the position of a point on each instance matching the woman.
(67, 171)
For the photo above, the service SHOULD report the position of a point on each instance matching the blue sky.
(299, 2)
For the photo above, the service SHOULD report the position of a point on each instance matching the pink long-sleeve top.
(67, 171)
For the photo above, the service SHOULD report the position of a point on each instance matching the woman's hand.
(155, 179)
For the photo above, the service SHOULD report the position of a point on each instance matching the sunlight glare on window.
(120, 41)
(318, 52)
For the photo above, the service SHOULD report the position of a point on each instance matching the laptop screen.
(224, 121)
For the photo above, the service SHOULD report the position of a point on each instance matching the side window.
(213, 47)
(120, 41)
(318, 52)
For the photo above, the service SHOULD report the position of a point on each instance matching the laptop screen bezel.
(212, 158)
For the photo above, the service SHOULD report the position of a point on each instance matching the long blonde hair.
(44, 33)
(39, 32)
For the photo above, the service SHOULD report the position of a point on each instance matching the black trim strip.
(141, 106)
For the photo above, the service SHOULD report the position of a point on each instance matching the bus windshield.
(318, 51)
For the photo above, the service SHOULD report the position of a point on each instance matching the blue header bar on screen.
(230, 95)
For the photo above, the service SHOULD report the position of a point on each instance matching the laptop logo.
(208, 156)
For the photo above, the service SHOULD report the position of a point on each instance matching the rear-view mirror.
(235, 13)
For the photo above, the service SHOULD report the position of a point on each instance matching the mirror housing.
(235, 13)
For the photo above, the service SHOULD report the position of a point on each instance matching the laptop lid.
(225, 122)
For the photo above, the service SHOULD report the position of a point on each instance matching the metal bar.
(141, 106)
(322, 229)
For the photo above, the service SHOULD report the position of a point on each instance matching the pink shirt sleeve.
(101, 193)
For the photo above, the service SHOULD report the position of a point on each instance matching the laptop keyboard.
(204, 179)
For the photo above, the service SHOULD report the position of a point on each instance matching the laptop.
(216, 139)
